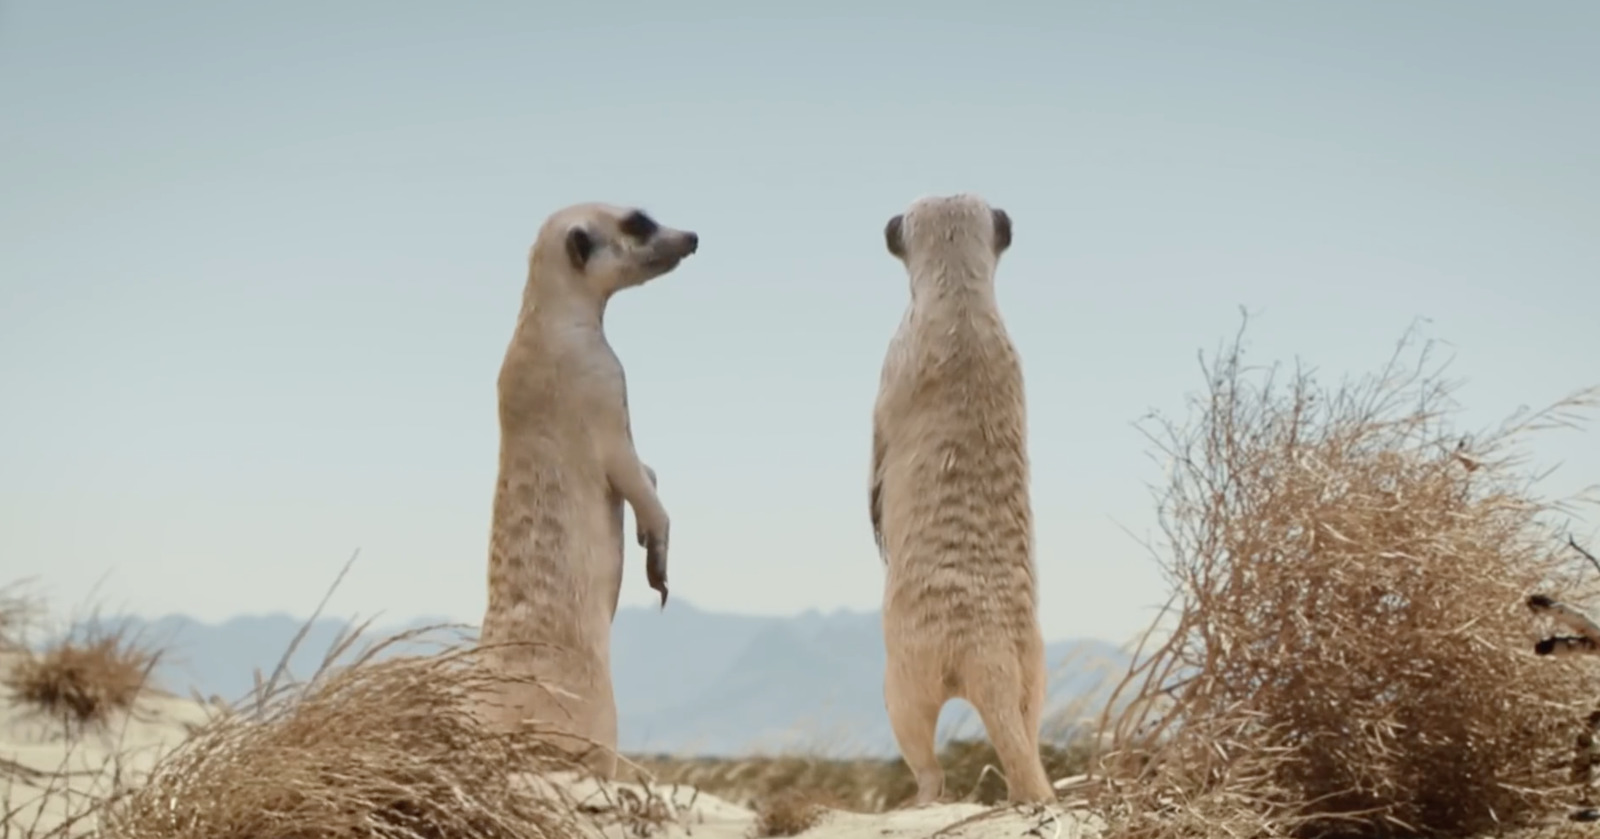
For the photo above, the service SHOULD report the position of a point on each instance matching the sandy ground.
(42, 771)
(702, 816)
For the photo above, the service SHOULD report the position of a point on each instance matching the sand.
(42, 769)
(43, 766)
(705, 816)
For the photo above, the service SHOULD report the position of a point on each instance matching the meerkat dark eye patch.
(1002, 230)
(638, 226)
(580, 246)
(892, 236)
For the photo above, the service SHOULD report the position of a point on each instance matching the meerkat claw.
(655, 567)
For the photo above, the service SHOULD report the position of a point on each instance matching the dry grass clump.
(374, 749)
(867, 785)
(788, 813)
(84, 678)
(1350, 650)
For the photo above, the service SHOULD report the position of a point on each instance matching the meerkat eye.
(639, 226)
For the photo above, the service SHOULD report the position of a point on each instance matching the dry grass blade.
(1346, 651)
(265, 690)
(378, 748)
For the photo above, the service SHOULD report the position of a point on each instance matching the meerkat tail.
(1011, 709)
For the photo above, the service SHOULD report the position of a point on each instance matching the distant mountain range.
(686, 680)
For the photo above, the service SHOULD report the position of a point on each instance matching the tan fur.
(567, 464)
(949, 502)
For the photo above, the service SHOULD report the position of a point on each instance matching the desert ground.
(55, 769)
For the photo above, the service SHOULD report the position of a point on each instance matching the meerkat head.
(955, 231)
(607, 248)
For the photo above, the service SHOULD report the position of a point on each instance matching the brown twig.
(1573, 544)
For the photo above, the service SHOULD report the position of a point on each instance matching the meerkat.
(1586, 747)
(567, 465)
(1586, 642)
(949, 502)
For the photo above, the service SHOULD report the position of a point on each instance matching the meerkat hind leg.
(914, 717)
(602, 756)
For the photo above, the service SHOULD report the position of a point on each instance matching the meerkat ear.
(580, 245)
(1002, 231)
(891, 236)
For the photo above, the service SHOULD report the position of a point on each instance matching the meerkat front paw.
(651, 475)
(654, 542)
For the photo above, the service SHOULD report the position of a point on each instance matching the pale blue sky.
(258, 262)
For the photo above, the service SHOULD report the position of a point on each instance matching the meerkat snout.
(616, 250)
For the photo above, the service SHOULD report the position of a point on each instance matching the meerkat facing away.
(949, 501)
(567, 464)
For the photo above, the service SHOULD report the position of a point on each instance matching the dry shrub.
(84, 678)
(378, 748)
(1350, 650)
(788, 813)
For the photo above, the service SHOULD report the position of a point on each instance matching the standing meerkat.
(567, 464)
(949, 501)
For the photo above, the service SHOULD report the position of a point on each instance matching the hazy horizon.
(258, 264)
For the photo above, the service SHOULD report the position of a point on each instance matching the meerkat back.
(949, 501)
